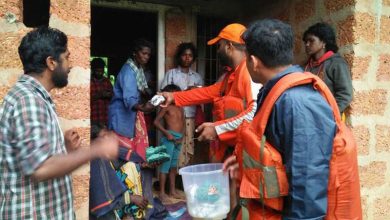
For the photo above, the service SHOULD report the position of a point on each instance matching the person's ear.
(257, 63)
(51, 63)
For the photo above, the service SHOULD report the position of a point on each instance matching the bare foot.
(165, 198)
(177, 195)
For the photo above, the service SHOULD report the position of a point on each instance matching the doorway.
(112, 33)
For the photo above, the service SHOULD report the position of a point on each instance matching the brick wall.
(72, 102)
(179, 28)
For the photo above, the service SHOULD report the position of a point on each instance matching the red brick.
(382, 207)
(383, 73)
(304, 9)
(335, 5)
(349, 57)
(382, 138)
(372, 175)
(284, 16)
(369, 102)
(72, 102)
(345, 31)
(169, 65)
(298, 44)
(171, 46)
(362, 136)
(175, 25)
(12, 6)
(361, 26)
(3, 92)
(85, 136)
(78, 11)
(385, 30)
(9, 49)
(360, 67)
(386, 2)
(365, 27)
(80, 189)
(79, 48)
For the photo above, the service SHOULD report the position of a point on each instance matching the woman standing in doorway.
(186, 78)
(324, 61)
(126, 109)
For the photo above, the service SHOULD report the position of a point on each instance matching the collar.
(268, 86)
(314, 63)
(190, 71)
(31, 81)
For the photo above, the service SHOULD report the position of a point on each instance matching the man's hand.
(168, 98)
(106, 146)
(72, 140)
(207, 132)
(231, 165)
(139, 201)
(153, 165)
(147, 107)
(170, 137)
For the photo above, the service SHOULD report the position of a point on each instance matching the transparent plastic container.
(207, 191)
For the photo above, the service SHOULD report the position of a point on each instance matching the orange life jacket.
(224, 107)
(264, 180)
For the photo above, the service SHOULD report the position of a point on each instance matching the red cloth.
(313, 63)
(99, 107)
(139, 142)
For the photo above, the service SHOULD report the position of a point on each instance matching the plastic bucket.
(207, 190)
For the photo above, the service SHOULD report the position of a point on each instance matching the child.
(174, 120)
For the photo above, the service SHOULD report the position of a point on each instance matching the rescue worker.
(232, 98)
(296, 131)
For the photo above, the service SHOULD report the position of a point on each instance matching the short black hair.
(271, 41)
(325, 33)
(171, 88)
(180, 50)
(139, 44)
(39, 44)
(97, 63)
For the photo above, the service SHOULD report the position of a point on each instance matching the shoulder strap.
(289, 81)
(225, 81)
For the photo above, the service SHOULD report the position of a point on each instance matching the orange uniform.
(233, 102)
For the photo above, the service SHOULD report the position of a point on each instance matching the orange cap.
(232, 32)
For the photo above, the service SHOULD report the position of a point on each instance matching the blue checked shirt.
(30, 134)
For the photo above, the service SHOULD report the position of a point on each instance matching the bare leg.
(172, 187)
(163, 196)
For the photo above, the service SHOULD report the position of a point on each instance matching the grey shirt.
(184, 81)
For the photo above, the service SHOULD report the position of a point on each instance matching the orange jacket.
(232, 108)
(264, 179)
